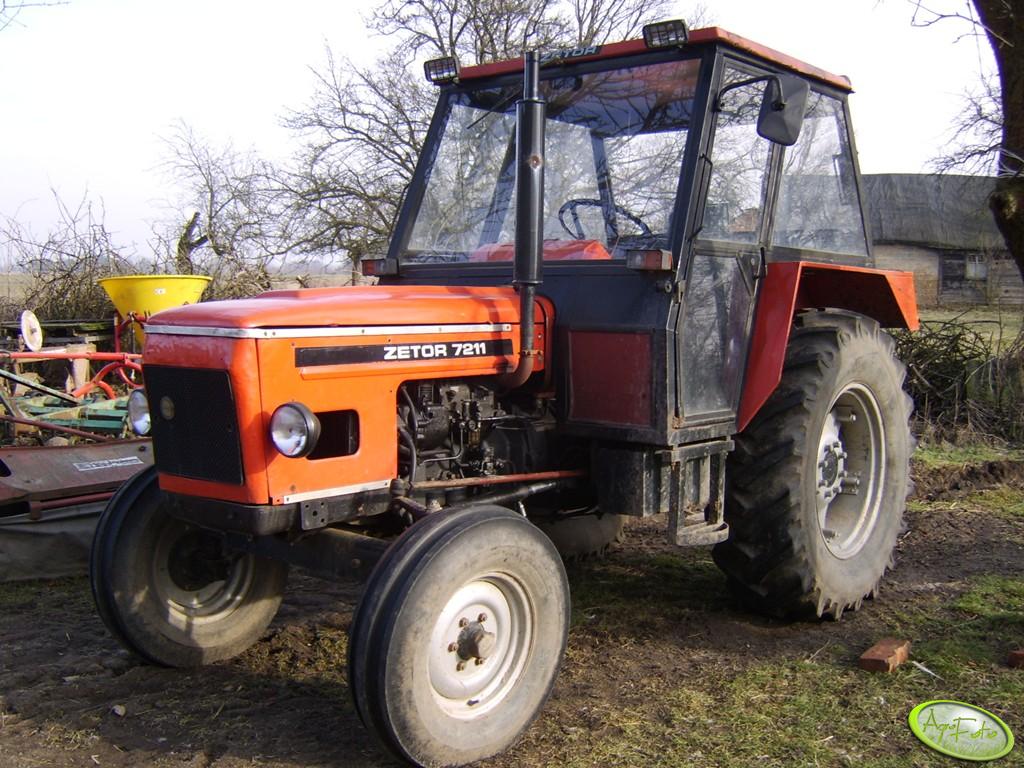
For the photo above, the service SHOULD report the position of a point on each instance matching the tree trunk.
(1003, 22)
(187, 243)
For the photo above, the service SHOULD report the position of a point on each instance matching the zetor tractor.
(627, 280)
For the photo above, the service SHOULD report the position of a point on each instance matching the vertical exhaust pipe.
(529, 249)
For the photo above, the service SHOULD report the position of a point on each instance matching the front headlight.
(138, 412)
(294, 430)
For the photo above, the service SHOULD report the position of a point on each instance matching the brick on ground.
(885, 655)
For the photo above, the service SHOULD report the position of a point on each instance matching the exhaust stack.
(529, 249)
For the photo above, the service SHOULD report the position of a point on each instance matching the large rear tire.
(168, 591)
(459, 635)
(817, 485)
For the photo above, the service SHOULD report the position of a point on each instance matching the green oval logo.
(961, 730)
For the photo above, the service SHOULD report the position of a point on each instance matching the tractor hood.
(366, 305)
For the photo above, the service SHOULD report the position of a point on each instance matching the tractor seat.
(554, 250)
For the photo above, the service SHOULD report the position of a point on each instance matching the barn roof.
(940, 211)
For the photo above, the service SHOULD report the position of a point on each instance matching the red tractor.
(627, 280)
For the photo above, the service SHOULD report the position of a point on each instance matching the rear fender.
(790, 287)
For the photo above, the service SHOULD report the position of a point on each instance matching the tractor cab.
(675, 168)
(635, 134)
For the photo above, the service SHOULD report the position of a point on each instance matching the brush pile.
(965, 379)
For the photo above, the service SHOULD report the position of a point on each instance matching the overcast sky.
(89, 89)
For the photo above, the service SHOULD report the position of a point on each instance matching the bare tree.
(598, 21)
(10, 9)
(474, 31)
(64, 264)
(364, 127)
(229, 226)
(1002, 23)
(363, 131)
(977, 132)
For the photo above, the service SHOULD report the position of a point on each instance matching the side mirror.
(783, 108)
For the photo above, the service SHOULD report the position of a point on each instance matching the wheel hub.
(196, 560)
(479, 645)
(194, 578)
(831, 465)
(850, 469)
(475, 642)
(832, 475)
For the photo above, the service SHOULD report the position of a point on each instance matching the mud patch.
(954, 481)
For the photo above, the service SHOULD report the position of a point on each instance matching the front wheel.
(168, 590)
(816, 487)
(459, 636)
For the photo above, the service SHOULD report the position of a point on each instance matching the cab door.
(727, 256)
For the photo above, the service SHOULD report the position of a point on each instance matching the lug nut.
(479, 662)
(463, 622)
(460, 666)
(453, 647)
(482, 618)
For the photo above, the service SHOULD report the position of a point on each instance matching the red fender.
(792, 286)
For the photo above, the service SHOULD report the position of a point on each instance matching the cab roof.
(697, 37)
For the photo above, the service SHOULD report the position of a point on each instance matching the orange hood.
(352, 306)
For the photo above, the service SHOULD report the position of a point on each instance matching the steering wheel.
(577, 228)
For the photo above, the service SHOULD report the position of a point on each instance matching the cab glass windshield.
(613, 153)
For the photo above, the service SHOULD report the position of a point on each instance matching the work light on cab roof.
(443, 70)
(665, 34)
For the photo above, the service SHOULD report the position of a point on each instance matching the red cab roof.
(707, 36)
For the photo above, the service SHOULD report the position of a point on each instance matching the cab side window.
(818, 206)
(737, 189)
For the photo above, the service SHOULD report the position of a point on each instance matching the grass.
(816, 709)
(644, 591)
(999, 326)
(796, 713)
(946, 455)
(1004, 502)
(64, 737)
(778, 704)
(16, 595)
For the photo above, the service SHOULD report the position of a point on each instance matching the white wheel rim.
(187, 607)
(850, 471)
(464, 685)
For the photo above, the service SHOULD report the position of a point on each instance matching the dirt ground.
(656, 648)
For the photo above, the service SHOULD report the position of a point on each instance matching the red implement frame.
(51, 477)
(114, 361)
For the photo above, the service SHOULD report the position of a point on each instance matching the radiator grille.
(195, 429)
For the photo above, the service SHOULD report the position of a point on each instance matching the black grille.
(200, 437)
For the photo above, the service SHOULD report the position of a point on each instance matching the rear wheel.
(169, 591)
(818, 482)
(459, 635)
